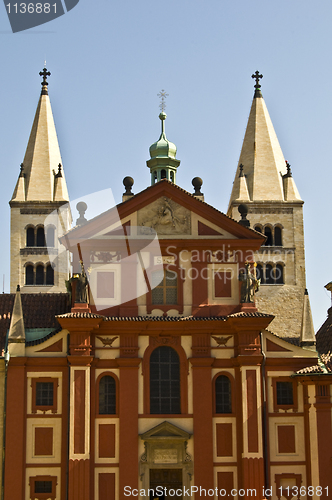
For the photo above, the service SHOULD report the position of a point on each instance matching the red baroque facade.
(183, 386)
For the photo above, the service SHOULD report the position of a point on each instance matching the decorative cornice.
(38, 251)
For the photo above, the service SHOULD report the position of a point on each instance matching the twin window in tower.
(273, 235)
(270, 274)
(39, 273)
(38, 237)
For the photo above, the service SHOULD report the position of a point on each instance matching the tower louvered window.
(40, 275)
(40, 237)
(30, 237)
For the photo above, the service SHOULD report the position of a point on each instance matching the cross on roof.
(257, 77)
(44, 74)
(162, 94)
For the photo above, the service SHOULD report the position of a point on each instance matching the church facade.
(164, 376)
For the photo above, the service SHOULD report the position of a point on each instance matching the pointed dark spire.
(289, 170)
(44, 83)
(59, 173)
(257, 77)
(22, 174)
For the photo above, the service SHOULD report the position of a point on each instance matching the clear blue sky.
(109, 59)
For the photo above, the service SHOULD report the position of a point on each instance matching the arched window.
(223, 394)
(50, 236)
(268, 234)
(29, 277)
(269, 275)
(279, 274)
(172, 176)
(277, 236)
(40, 275)
(260, 273)
(49, 275)
(164, 287)
(30, 237)
(107, 396)
(258, 228)
(164, 381)
(163, 174)
(40, 237)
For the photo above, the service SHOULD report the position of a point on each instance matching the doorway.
(168, 479)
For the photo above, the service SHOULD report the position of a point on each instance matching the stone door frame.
(165, 448)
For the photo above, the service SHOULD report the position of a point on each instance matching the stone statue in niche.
(165, 217)
(249, 284)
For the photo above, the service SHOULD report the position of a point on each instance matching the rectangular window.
(164, 288)
(43, 486)
(285, 393)
(44, 393)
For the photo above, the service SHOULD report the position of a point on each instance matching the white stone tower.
(264, 182)
(40, 212)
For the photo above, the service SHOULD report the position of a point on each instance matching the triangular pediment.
(165, 430)
(168, 211)
(273, 347)
(277, 347)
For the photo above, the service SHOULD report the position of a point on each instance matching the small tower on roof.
(264, 182)
(163, 163)
(37, 264)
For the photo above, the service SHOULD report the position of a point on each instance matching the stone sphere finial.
(128, 183)
(81, 208)
(243, 211)
(197, 183)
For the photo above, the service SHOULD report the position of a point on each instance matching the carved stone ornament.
(188, 457)
(104, 257)
(107, 341)
(144, 456)
(165, 340)
(164, 216)
(221, 341)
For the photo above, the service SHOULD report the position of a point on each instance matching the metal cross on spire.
(162, 94)
(257, 77)
(44, 74)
